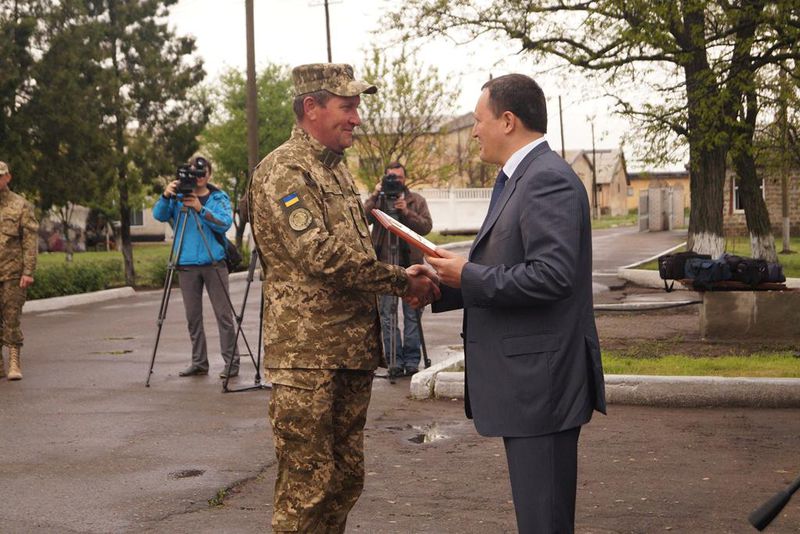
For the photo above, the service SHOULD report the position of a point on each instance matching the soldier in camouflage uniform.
(321, 327)
(18, 248)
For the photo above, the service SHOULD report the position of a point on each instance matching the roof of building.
(609, 162)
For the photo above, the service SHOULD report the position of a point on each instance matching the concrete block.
(449, 385)
(730, 315)
(423, 383)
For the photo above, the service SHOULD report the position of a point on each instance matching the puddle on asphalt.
(113, 352)
(118, 338)
(428, 434)
(187, 473)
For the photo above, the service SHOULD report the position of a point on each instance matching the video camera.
(392, 186)
(188, 174)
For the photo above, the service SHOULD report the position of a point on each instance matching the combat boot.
(14, 371)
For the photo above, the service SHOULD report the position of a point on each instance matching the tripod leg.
(174, 255)
(425, 357)
(239, 317)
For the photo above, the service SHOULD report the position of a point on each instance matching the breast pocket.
(335, 208)
(9, 228)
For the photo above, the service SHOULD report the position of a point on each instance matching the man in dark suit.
(532, 356)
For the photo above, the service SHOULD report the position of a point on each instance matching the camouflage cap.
(3, 168)
(336, 78)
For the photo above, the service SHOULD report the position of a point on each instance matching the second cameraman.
(410, 209)
(196, 267)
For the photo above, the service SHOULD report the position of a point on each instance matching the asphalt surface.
(85, 447)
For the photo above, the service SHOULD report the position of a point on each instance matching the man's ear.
(310, 107)
(509, 121)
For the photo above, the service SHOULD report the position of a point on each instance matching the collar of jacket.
(325, 155)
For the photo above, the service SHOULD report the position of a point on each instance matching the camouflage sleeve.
(30, 240)
(289, 210)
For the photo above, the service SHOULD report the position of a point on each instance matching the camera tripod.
(183, 220)
(394, 259)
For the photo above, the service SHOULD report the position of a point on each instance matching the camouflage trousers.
(318, 419)
(12, 297)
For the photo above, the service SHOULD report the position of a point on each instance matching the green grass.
(441, 239)
(614, 222)
(771, 364)
(741, 247)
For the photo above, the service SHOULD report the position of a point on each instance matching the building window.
(137, 217)
(737, 200)
(630, 191)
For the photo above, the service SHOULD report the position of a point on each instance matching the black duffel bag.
(705, 272)
(775, 273)
(750, 271)
(673, 266)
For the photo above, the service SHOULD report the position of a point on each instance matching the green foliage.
(402, 121)
(67, 279)
(225, 137)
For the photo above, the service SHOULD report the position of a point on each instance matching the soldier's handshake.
(423, 286)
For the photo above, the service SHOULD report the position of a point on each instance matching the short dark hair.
(395, 165)
(520, 95)
(321, 97)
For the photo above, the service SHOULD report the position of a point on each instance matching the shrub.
(69, 279)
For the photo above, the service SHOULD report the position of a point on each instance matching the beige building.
(611, 176)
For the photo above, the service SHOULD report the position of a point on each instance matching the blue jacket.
(194, 251)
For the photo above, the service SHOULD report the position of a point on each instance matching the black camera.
(392, 186)
(188, 174)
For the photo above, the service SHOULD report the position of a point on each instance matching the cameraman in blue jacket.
(196, 267)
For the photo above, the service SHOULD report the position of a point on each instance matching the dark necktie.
(499, 183)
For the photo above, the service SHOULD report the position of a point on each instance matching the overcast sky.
(292, 32)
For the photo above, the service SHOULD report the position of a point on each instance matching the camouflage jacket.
(18, 236)
(321, 275)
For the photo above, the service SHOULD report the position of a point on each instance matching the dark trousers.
(544, 472)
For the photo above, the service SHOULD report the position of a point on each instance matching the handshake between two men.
(423, 280)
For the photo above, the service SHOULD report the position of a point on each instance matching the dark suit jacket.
(532, 353)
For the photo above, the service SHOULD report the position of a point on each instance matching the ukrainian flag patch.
(290, 200)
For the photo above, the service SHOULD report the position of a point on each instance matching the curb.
(445, 380)
(58, 303)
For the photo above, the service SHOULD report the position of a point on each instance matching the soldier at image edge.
(18, 249)
(322, 336)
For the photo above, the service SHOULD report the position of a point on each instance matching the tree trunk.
(707, 169)
(125, 228)
(707, 149)
(762, 242)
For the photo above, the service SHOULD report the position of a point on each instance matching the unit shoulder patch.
(299, 219)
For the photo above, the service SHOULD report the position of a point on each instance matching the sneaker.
(410, 371)
(224, 374)
(396, 371)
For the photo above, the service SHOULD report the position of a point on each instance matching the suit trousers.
(544, 471)
(215, 280)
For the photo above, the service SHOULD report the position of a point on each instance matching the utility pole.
(783, 121)
(252, 102)
(561, 121)
(327, 24)
(595, 210)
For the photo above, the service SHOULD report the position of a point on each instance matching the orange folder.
(405, 233)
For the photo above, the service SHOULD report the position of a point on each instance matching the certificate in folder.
(405, 233)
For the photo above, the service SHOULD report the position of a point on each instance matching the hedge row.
(84, 277)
